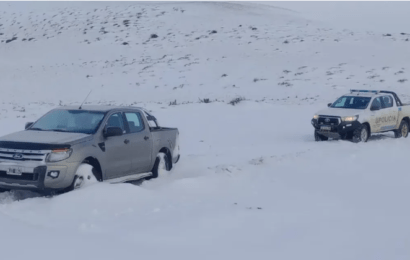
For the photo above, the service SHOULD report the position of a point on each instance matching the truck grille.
(328, 120)
(22, 155)
(24, 176)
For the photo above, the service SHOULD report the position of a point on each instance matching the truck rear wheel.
(403, 130)
(361, 134)
(319, 137)
(162, 164)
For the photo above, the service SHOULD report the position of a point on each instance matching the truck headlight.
(350, 118)
(58, 155)
(315, 116)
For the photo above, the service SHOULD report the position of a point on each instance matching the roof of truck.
(98, 108)
(367, 93)
(362, 94)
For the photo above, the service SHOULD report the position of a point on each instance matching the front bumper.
(35, 177)
(336, 131)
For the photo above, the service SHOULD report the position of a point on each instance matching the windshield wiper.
(36, 128)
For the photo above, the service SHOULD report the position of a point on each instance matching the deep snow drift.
(251, 183)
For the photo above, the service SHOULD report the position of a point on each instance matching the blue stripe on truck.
(387, 127)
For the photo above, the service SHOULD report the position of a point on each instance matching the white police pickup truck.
(359, 114)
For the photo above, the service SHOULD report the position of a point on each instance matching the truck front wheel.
(361, 134)
(403, 130)
(85, 175)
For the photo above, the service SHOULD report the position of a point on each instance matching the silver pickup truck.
(118, 144)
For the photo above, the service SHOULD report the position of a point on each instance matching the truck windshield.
(75, 121)
(352, 102)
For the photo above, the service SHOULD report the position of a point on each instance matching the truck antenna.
(85, 99)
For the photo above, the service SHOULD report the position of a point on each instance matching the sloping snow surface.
(252, 183)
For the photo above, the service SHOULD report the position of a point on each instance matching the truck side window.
(387, 101)
(135, 122)
(116, 120)
(377, 103)
(340, 102)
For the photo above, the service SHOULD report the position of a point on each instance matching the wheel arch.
(168, 153)
(97, 166)
(369, 128)
(406, 119)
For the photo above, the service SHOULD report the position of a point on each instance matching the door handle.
(146, 138)
(126, 141)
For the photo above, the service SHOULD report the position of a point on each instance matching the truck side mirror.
(28, 125)
(151, 118)
(329, 104)
(112, 131)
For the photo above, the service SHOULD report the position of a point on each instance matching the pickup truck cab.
(118, 144)
(360, 113)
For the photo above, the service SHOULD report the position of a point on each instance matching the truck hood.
(46, 137)
(339, 112)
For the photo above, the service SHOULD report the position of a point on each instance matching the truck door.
(140, 142)
(375, 115)
(117, 150)
(390, 113)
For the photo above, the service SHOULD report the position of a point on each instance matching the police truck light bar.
(368, 91)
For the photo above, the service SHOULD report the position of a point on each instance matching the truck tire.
(162, 163)
(319, 137)
(361, 134)
(403, 130)
(83, 177)
(3, 190)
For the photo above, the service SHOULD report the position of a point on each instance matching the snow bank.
(251, 182)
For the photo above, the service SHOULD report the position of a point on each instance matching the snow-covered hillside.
(251, 183)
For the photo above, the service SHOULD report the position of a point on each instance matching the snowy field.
(252, 183)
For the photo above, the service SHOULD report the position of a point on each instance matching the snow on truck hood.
(48, 137)
(339, 112)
